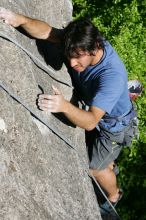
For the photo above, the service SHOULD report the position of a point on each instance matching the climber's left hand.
(52, 103)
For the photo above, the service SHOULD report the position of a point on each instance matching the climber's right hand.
(11, 18)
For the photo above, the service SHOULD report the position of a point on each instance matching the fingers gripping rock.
(9, 17)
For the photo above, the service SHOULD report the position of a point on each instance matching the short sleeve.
(109, 89)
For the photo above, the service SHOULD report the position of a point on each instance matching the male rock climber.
(100, 80)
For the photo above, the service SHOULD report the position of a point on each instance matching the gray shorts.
(104, 147)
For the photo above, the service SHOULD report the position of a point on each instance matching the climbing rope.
(104, 195)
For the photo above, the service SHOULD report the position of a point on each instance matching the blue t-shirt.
(104, 85)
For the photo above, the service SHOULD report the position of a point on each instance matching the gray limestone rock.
(41, 176)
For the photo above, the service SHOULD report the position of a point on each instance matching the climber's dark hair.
(81, 35)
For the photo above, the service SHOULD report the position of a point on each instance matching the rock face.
(41, 176)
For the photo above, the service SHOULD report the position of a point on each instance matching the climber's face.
(82, 59)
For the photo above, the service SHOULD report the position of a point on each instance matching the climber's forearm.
(42, 30)
(57, 103)
(36, 28)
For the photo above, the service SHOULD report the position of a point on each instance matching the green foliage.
(123, 23)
